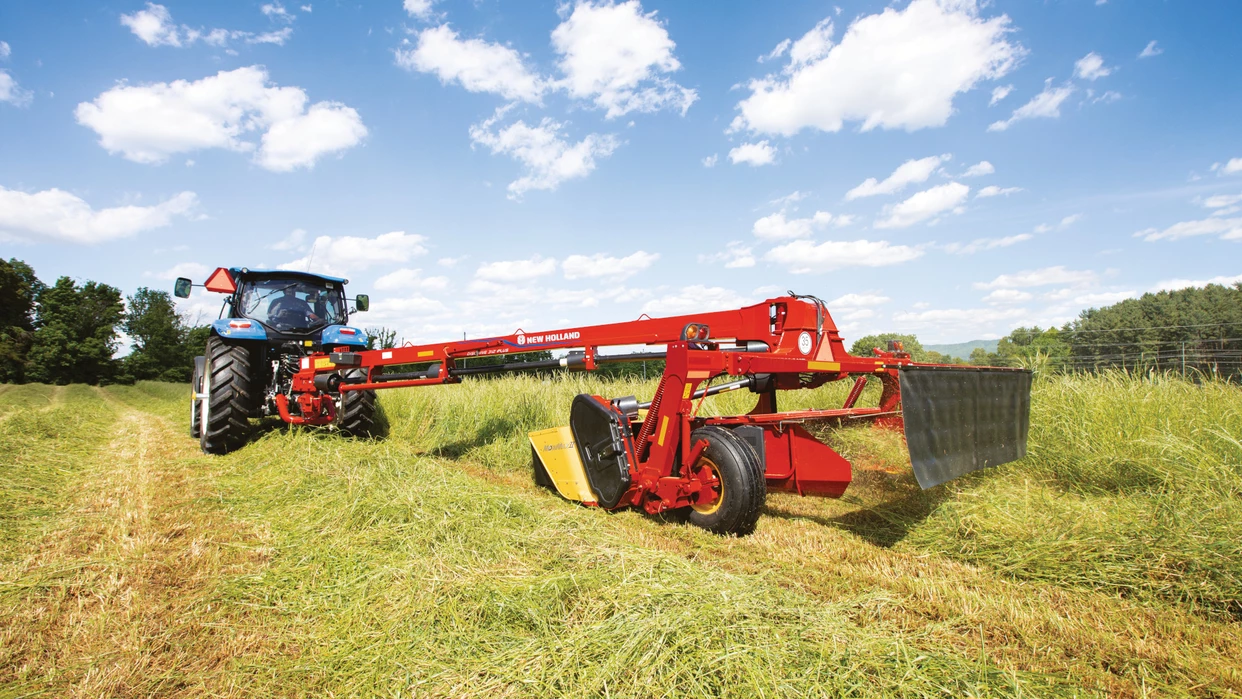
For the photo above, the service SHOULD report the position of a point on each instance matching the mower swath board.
(963, 420)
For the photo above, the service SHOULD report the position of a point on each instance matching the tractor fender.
(238, 329)
(334, 335)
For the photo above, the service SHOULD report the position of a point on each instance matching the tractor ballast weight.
(661, 455)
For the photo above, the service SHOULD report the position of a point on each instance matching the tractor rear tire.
(358, 410)
(228, 383)
(196, 403)
(742, 486)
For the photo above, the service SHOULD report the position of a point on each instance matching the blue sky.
(943, 167)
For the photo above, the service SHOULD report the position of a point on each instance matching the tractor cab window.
(293, 305)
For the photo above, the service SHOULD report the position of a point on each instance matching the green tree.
(160, 337)
(381, 338)
(862, 346)
(75, 333)
(18, 289)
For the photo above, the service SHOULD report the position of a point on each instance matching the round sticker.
(804, 342)
(521, 339)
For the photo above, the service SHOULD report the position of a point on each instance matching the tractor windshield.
(293, 305)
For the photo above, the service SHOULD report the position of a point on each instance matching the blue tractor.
(272, 320)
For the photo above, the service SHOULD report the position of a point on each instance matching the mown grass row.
(1132, 485)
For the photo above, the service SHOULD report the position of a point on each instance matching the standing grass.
(427, 564)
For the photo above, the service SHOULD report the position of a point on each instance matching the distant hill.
(962, 349)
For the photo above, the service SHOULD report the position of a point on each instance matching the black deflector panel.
(962, 420)
(603, 439)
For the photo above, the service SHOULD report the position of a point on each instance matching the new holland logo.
(521, 339)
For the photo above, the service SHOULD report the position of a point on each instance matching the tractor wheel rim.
(711, 507)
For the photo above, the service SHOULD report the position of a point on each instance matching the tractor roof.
(246, 272)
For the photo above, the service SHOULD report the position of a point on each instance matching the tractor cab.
(280, 306)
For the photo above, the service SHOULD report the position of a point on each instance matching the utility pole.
(1183, 360)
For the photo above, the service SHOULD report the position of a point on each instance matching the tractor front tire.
(196, 403)
(229, 385)
(358, 410)
(742, 487)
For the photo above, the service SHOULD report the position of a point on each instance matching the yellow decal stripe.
(324, 363)
(426, 353)
(824, 366)
(685, 395)
(663, 427)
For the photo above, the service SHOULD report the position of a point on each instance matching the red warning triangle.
(221, 282)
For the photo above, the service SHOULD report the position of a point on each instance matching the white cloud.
(406, 279)
(1174, 284)
(791, 198)
(1108, 97)
(804, 256)
(295, 241)
(11, 92)
(549, 160)
(307, 8)
(194, 271)
(1103, 298)
(943, 320)
(479, 66)
(1091, 67)
(909, 172)
(615, 55)
(59, 215)
(1038, 277)
(899, 69)
(694, 299)
(979, 169)
(1222, 200)
(298, 141)
(1229, 168)
(777, 227)
(276, 12)
(349, 253)
(606, 266)
(1046, 105)
(1070, 220)
(925, 205)
(1227, 228)
(710, 161)
(419, 8)
(858, 301)
(753, 154)
(994, 191)
(736, 255)
(148, 123)
(154, 26)
(1151, 50)
(986, 244)
(516, 270)
(999, 93)
(1008, 296)
(5, 50)
(776, 52)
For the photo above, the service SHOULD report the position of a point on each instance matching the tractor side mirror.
(362, 302)
(181, 288)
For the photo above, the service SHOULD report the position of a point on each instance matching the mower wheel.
(225, 416)
(358, 410)
(196, 404)
(742, 487)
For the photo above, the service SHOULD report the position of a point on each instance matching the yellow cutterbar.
(556, 449)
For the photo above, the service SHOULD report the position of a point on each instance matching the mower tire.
(742, 486)
(358, 410)
(196, 404)
(228, 383)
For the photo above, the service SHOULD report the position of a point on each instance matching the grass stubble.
(1107, 562)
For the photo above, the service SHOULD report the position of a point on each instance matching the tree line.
(1193, 331)
(68, 332)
